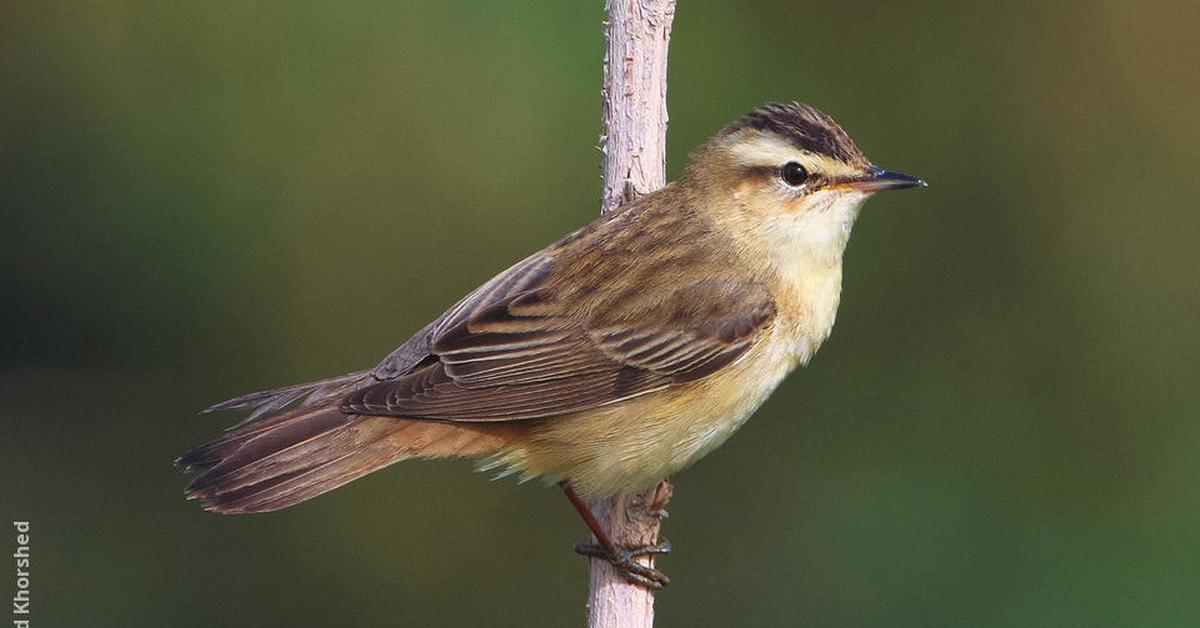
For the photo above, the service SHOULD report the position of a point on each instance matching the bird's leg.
(624, 559)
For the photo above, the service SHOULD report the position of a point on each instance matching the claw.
(629, 568)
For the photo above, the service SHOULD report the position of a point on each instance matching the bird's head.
(789, 173)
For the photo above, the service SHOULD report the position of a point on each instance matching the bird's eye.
(793, 174)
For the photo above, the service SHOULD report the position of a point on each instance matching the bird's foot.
(624, 559)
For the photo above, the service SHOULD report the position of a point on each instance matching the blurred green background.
(203, 199)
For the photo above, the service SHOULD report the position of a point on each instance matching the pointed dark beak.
(878, 179)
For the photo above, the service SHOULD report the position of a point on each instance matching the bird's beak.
(877, 179)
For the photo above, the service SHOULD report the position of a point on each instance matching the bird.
(607, 361)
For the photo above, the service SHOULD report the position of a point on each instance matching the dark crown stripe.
(805, 127)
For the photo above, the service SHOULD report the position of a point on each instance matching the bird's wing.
(525, 346)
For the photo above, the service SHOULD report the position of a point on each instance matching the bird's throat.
(807, 259)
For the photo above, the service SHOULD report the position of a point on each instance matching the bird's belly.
(631, 446)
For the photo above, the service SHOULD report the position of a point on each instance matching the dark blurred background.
(203, 199)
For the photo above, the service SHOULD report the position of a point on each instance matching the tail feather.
(267, 401)
(263, 404)
(278, 431)
(284, 460)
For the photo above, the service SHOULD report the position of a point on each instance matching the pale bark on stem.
(635, 150)
(631, 520)
(635, 98)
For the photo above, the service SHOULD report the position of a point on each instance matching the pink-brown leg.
(620, 557)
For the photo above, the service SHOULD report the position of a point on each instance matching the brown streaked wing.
(524, 356)
(703, 327)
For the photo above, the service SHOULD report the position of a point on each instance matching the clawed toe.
(624, 559)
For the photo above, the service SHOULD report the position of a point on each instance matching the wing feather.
(513, 352)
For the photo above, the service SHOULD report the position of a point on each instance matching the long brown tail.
(286, 459)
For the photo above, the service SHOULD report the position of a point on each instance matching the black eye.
(793, 174)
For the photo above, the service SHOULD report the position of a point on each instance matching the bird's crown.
(802, 126)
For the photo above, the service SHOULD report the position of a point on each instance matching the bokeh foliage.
(200, 199)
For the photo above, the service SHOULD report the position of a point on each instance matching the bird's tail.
(286, 459)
